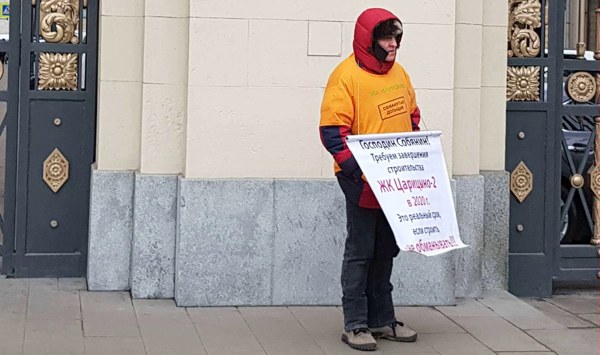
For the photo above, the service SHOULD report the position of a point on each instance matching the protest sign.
(408, 175)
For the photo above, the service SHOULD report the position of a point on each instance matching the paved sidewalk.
(50, 316)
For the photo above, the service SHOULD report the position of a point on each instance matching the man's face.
(390, 45)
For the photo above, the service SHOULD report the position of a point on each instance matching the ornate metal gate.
(49, 55)
(552, 94)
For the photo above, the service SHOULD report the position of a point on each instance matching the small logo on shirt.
(392, 108)
(388, 89)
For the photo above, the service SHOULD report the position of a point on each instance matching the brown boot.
(359, 339)
(396, 331)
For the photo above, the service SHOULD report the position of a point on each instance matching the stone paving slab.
(166, 329)
(319, 320)
(427, 320)
(108, 314)
(12, 333)
(560, 315)
(570, 341)
(53, 304)
(47, 336)
(518, 312)
(466, 307)
(455, 344)
(50, 316)
(325, 325)
(498, 334)
(45, 284)
(77, 284)
(575, 305)
(158, 307)
(13, 296)
(168, 335)
(331, 345)
(421, 346)
(278, 332)
(8, 285)
(114, 346)
(215, 326)
(593, 318)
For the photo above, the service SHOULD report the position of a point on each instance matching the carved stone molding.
(523, 84)
(524, 17)
(56, 170)
(581, 86)
(521, 182)
(58, 71)
(59, 20)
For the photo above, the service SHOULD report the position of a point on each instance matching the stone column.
(492, 146)
(118, 143)
(164, 116)
(465, 150)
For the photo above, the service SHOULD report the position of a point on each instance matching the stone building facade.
(211, 185)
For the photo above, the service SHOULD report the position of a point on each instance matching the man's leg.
(382, 321)
(358, 253)
(379, 288)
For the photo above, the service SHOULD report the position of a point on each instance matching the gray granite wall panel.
(425, 280)
(109, 248)
(154, 226)
(224, 247)
(469, 214)
(495, 232)
(265, 242)
(310, 220)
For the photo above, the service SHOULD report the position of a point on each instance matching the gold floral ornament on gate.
(523, 84)
(581, 87)
(58, 71)
(521, 182)
(59, 21)
(524, 17)
(56, 170)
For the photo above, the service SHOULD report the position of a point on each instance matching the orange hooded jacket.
(365, 96)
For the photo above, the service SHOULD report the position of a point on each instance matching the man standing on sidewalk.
(353, 102)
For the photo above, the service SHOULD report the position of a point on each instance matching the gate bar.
(581, 34)
(597, 53)
(594, 184)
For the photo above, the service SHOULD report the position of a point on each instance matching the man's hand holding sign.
(408, 175)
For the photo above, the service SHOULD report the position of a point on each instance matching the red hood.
(363, 39)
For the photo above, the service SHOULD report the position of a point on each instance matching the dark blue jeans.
(366, 270)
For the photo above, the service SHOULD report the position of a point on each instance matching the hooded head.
(372, 25)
